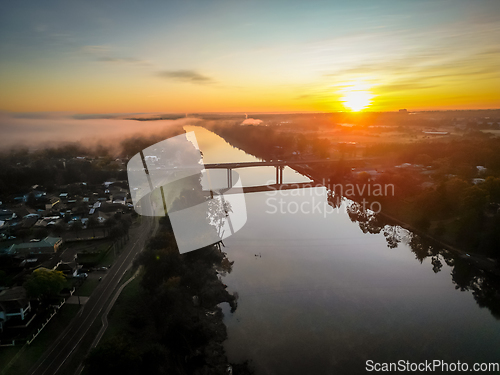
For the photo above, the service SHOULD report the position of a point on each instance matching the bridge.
(279, 165)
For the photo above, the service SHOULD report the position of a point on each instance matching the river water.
(319, 296)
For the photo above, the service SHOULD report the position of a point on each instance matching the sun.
(356, 100)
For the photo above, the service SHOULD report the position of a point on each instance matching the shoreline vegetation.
(172, 322)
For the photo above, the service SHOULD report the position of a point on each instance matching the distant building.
(405, 111)
(434, 132)
(477, 181)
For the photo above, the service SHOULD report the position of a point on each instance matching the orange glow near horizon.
(357, 100)
(356, 96)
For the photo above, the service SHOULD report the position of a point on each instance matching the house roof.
(47, 244)
(66, 266)
(13, 299)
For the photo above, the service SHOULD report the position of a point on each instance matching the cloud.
(403, 86)
(94, 116)
(104, 54)
(35, 115)
(251, 121)
(186, 76)
(96, 49)
(37, 130)
(127, 60)
(305, 96)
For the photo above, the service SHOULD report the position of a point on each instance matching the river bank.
(170, 321)
(390, 212)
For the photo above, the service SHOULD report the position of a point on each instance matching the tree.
(31, 200)
(3, 278)
(58, 230)
(40, 232)
(92, 224)
(423, 159)
(492, 186)
(44, 283)
(109, 223)
(474, 198)
(76, 227)
(114, 356)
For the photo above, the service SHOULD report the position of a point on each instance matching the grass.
(120, 313)
(90, 246)
(29, 354)
(107, 259)
(102, 254)
(87, 287)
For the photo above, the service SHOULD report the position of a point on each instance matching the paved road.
(54, 360)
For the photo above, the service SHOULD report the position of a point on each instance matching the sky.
(248, 56)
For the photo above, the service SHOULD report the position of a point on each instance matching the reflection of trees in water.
(368, 221)
(334, 199)
(484, 286)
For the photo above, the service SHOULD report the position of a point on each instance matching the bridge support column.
(279, 174)
(229, 178)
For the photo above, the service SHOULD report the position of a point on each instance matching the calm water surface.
(322, 297)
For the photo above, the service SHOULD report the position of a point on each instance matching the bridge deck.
(277, 163)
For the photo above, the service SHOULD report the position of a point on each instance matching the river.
(317, 295)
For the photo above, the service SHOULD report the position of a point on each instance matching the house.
(435, 132)
(480, 169)
(46, 246)
(37, 194)
(477, 181)
(29, 221)
(53, 201)
(70, 269)
(7, 215)
(102, 217)
(14, 304)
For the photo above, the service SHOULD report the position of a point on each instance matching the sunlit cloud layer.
(248, 56)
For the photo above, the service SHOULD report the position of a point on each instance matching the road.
(56, 357)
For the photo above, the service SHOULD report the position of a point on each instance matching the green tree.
(92, 223)
(423, 159)
(44, 283)
(58, 230)
(474, 198)
(114, 356)
(492, 186)
(109, 223)
(40, 232)
(76, 227)
(31, 200)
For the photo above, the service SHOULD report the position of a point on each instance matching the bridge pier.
(279, 174)
(229, 178)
